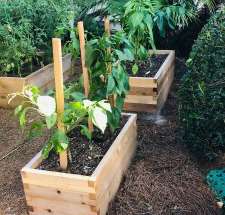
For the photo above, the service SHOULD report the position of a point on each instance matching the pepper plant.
(76, 115)
(108, 76)
(143, 18)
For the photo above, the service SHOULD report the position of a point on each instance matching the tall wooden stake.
(109, 67)
(84, 68)
(58, 72)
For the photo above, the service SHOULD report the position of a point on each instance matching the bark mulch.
(163, 178)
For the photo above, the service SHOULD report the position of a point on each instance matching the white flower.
(46, 105)
(100, 118)
(87, 103)
(105, 105)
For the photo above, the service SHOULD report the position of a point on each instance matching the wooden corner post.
(109, 66)
(80, 26)
(58, 73)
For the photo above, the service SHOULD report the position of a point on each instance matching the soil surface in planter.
(163, 179)
(149, 67)
(84, 155)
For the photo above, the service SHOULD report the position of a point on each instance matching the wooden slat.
(159, 52)
(70, 196)
(142, 82)
(164, 79)
(139, 107)
(11, 85)
(165, 88)
(143, 91)
(44, 78)
(108, 182)
(122, 147)
(166, 65)
(52, 206)
(61, 181)
(138, 99)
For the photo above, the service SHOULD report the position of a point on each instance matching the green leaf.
(47, 149)
(114, 118)
(36, 129)
(18, 109)
(85, 131)
(60, 141)
(120, 102)
(78, 96)
(111, 85)
(22, 117)
(136, 19)
(51, 120)
(135, 69)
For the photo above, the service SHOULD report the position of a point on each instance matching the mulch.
(163, 179)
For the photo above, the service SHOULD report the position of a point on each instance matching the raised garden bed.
(49, 192)
(149, 94)
(43, 78)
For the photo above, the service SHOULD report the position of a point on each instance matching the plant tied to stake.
(108, 76)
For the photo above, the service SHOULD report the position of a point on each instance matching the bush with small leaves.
(202, 93)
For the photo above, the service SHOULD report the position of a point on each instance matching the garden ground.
(163, 178)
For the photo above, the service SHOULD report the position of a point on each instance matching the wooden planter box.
(67, 194)
(43, 78)
(150, 94)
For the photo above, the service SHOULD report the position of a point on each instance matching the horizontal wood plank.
(139, 99)
(61, 181)
(142, 82)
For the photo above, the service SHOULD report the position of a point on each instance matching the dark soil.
(85, 155)
(163, 178)
(149, 67)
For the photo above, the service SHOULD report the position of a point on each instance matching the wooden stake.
(109, 67)
(84, 68)
(58, 72)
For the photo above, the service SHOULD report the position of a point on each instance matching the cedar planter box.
(43, 78)
(68, 194)
(150, 94)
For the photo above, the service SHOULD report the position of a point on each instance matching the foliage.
(108, 76)
(26, 29)
(76, 115)
(142, 18)
(202, 93)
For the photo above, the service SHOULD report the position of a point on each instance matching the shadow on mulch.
(163, 178)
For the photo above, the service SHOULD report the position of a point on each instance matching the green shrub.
(26, 28)
(202, 93)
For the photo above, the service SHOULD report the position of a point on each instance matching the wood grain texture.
(61, 193)
(150, 94)
(59, 94)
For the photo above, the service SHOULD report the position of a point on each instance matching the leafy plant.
(108, 76)
(142, 18)
(76, 115)
(26, 29)
(201, 94)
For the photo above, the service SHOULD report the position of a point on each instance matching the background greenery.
(202, 94)
(26, 29)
